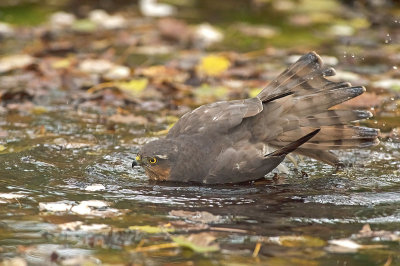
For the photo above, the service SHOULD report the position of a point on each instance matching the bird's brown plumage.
(242, 140)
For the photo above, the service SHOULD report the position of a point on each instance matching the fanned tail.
(299, 101)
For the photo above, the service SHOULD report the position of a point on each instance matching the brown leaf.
(128, 119)
(202, 242)
(201, 217)
(174, 29)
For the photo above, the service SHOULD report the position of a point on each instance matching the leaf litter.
(119, 70)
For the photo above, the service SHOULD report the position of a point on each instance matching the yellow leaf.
(2, 148)
(134, 86)
(298, 241)
(254, 92)
(214, 65)
(37, 110)
(151, 229)
(359, 23)
(63, 63)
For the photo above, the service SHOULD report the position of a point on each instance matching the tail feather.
(337, 85)
(307, 64)
(321, 101)
(341, 144)
(321, 155)
(293, 145)
(334, 117)
(331, 133)
(299, 101)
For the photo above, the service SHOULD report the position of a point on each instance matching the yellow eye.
(138, 158)
(153, 160)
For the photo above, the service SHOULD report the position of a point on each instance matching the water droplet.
(388, 39)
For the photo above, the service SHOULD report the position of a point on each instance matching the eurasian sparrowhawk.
(243, 140)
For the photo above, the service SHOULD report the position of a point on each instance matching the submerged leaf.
(151, 229)
(298, 241)
(202, 217)
(200, 243)
(346, 245)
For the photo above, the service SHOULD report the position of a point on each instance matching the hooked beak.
(137, 161)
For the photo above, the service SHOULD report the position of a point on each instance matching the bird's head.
(157, 158)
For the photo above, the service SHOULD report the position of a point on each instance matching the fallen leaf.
(199, 216)
(11, 196)
(14, 262)
(128, 119)
(6, 30)
(200, 243)
(346, 245)
(60, 20)
(392, 84)
(80, 226)
(71, 226)
(134, 86)
(173, 29)
(117, 73)
(206, 35)
(151, 229)
(180, 225)
(54, 206)
(206, 93)
(62, 63)
(84, 25)
(382, 235)
(95, 187)
(96, 66)
(263, 31)
(110, 22)
(13, 62)
(297, 241)
(151, 8)
(213, 65)
(254, 92)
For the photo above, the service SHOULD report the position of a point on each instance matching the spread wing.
(218, 117)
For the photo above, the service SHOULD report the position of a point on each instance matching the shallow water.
(61, 163)
(72, 155)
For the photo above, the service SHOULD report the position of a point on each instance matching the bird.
(239, 141)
